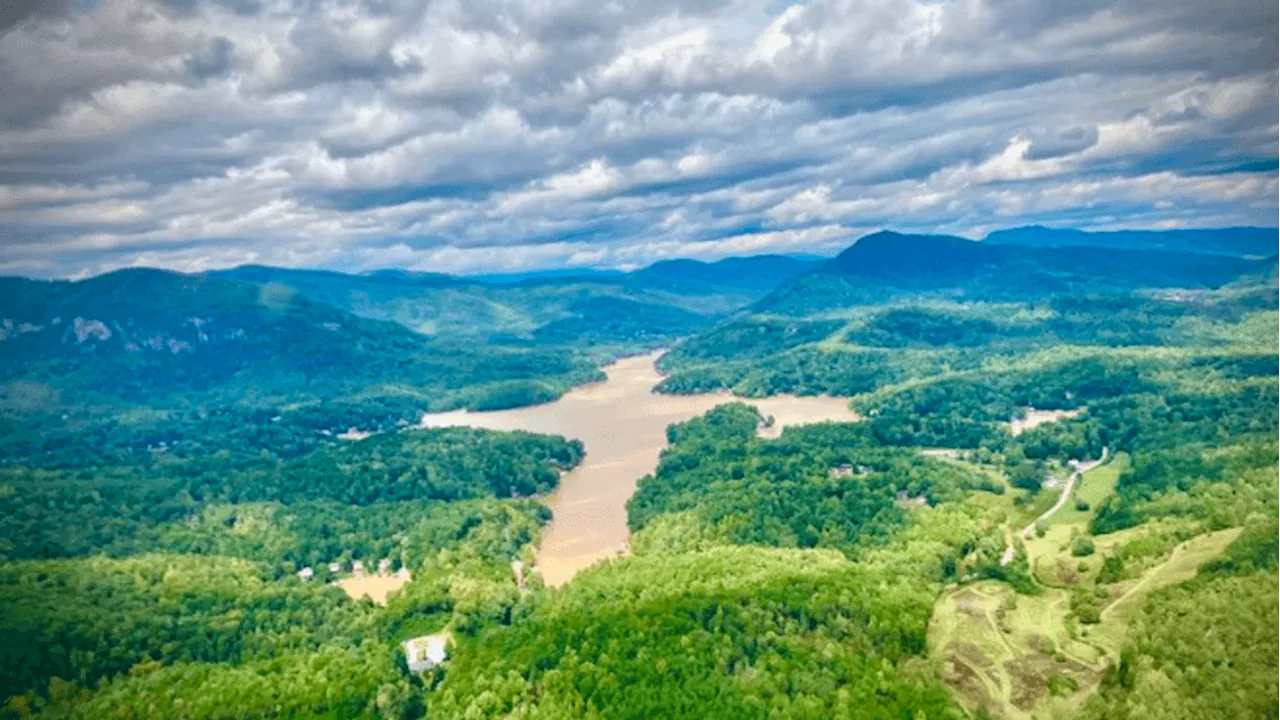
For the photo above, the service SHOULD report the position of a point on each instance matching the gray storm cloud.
(196, 133)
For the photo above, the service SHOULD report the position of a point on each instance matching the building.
(357, 568)
(384, 566)
(335, 568)
(305, 574)
(426, 652)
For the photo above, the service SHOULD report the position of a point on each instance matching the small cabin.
(423, 653)
(306, 574)
(335, 568)
(906, 499)
(844, 470)
(384, 566)
(357, 567)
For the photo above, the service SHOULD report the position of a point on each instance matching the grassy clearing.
(1095, 487)
(1023, 657)
(1027, 512)
(1002, 652)
(1050, 556)
(1125, 599)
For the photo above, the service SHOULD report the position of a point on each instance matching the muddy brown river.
(622, 423)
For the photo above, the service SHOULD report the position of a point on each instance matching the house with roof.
(423, 653)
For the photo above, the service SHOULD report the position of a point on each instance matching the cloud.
(497, 134)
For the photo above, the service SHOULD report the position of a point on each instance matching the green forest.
(1056, 499)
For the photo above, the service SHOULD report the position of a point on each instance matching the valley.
(929, 477)
(622, 424)
(627, 360)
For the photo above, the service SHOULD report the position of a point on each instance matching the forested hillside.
(171, 459)
(1254, 242)
(1059, 498)
(1181, 381)
(204, 585)
(1205, 648)
(765, 582)
(883, 266)
(149, 336)
(640, 309)
(117, 369)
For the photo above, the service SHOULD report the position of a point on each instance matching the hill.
(886, 265)
(757, 273)
(1254, 242)
(157, 338)
(647, 307)
(552, 274)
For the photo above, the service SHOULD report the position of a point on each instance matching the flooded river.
(622, 423)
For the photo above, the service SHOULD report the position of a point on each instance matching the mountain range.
(1253, 242)
(295, 335)
(663, 300)
(158, 337)
(884, 265)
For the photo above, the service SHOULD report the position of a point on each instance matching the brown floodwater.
(623, 424)
(376, 586)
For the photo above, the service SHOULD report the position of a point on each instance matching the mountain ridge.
(142, 335)
(885, 264)
(1243, 241)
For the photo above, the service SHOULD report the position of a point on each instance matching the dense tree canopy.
(82, 620)
(159, 501)
(1205, 648)
(121, 510)
(733, 633)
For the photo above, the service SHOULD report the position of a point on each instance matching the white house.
(384, 566)
(357, 568)
(426, 651)
(306, 574)
(335, 568)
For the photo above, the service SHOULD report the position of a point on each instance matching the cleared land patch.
(375, 586)
(1035, 418)
(1021, 656)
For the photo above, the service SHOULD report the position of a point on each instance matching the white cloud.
(501, 133)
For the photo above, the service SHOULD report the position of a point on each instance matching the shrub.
(1082, 546)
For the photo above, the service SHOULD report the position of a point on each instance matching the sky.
(473, 136)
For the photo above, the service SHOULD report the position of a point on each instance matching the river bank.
(622, 424)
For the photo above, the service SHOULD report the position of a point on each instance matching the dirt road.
(1081, 469)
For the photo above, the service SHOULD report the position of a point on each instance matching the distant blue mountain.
(262, 274)
(552, 274)
(757, 272)
(886, 265)
(1247, 242)
(571, 305)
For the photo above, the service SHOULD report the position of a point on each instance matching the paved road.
(1081, 469)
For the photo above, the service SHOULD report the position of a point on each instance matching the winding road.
(1080, 469)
